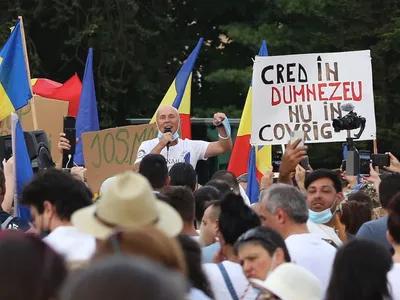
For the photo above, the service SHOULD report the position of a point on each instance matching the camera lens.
(337, 125)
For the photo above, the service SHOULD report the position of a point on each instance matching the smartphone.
(305, 163)
(295, 135)
(276, 161)
(380, 160)
(70, 133)
(365, 161)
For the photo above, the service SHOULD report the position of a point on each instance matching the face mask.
(321, 217)
(175, 136)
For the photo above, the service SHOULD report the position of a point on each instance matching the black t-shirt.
(15, 223)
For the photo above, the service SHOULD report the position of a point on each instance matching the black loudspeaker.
(37, 145)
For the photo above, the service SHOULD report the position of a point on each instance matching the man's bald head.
(168, 116)
(167, 109)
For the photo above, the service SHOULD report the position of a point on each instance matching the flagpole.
(15, 196)
(35, 124)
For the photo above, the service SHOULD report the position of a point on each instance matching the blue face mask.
(175, 136)
(320, 217)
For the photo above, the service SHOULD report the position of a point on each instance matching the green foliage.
(306, 26)
(231, 111)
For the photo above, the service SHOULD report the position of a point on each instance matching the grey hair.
(289, 199)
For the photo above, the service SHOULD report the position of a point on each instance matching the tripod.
(352, 157)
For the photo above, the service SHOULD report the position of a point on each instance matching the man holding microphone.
(174, 149)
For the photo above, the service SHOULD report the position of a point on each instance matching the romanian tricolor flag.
(15, 89)
(69, 91)
(260, 161)
(179, 93)
(240, 162)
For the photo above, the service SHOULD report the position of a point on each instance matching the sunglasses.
(255, 234)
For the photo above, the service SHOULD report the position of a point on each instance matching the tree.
(127, 39)
(307, 26)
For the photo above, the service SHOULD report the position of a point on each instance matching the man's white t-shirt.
(313, 253)
(238, 279)
(184, 151)
(71, 243)
(325, 231)
(394, 280)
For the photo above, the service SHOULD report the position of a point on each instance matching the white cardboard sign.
(305, 93)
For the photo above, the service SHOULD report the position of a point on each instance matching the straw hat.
(291, 282)
(127, 202)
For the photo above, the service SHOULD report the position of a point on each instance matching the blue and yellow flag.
(15, 90)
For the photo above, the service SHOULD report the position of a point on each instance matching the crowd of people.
(156, 233)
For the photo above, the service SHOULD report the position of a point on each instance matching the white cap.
(292, 282)
(105, 184)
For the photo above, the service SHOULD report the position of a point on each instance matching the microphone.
(168, 129)
(347, 107)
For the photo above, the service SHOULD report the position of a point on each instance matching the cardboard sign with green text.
(112, 151)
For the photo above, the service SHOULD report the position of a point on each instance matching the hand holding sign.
(293, 155)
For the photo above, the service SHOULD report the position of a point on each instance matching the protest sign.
(49, 115)
(50, 118)
(112, 151)
(305, 93)
(25, 116)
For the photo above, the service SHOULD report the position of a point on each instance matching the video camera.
(350, 121)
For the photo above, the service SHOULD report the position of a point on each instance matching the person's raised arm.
(162, 143)
(394, 164)
(293, 155)
(373, 178)
(8, 167)
(300, 177)
(224, 144)
(63, 144)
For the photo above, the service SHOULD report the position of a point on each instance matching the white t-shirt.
(238, 279)
(325, 231)
(71, 243)
(244, 195)
(313, 253)
(196, 294)
(184, 151)
(394, 280)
